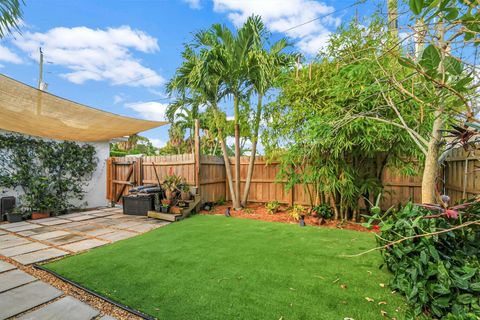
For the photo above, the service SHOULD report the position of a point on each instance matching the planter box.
(14, 217)
(40, 215)
(138, 205)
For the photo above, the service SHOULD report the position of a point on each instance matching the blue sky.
(116, 55)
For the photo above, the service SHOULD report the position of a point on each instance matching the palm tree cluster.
(224, 67)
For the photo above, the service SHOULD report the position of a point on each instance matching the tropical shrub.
(50, 174)
(297, 211)
(434, 258)
(272, 207)
(323, 211)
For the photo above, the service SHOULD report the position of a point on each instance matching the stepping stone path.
(23, 296)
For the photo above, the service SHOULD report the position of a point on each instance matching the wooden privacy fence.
(208, 173)
(462, 174)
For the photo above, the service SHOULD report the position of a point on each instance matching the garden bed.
(213, 267)
(257, 211)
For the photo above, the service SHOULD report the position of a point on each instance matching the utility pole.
(40, 74)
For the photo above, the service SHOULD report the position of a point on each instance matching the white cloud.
(159, 143)
(281, 15)
(194, 4)
(8, 55)
(95, 54)
(149, 110)
(118, 98)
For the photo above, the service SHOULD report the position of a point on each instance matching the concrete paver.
(8, 240)
(69, 238)
(38, 256)
(99, 231)
(8, 226)
(28, 233)
(84, 245)
(70, 225)
(14, 278)
(30, 226)
(102, 213)
(24, 298)
(71, 215)
(118, 235)
(24, 248)
(75, 309)
(5, 266)
(82, 218)
(54, 222)
(49, 235)
(144, 227)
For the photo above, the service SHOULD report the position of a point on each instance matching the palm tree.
(10, 15)
(265, 66)
(232, 54)
(199, 78)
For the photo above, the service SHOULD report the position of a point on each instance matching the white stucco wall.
(96, 190)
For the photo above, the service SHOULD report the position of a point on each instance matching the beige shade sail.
(27, 110)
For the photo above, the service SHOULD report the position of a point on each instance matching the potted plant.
(40, 200)
(165, 208)
(184, 191)
(171, 183)
(15, 215)
(272, 207)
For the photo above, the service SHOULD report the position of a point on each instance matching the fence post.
(139, 178)
(109, 179)
(197, 154)
(465, 177)
(292, 196)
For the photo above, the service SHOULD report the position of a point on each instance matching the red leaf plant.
(444, 208)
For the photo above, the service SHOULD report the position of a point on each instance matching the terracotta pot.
(40, 215)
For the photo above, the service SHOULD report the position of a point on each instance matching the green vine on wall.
(50, 174)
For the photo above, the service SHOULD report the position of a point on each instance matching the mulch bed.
(257, 211)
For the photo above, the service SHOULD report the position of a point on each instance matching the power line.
(138, 79)
(324, 16)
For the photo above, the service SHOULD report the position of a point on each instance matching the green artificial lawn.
(213, 267)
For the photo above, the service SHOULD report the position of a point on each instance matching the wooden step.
(164, 216)
(185, 212)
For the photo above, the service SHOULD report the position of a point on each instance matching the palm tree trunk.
(236, 203)
(253, 154)
(228, 169)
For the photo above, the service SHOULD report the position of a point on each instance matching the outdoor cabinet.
(138, 205)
